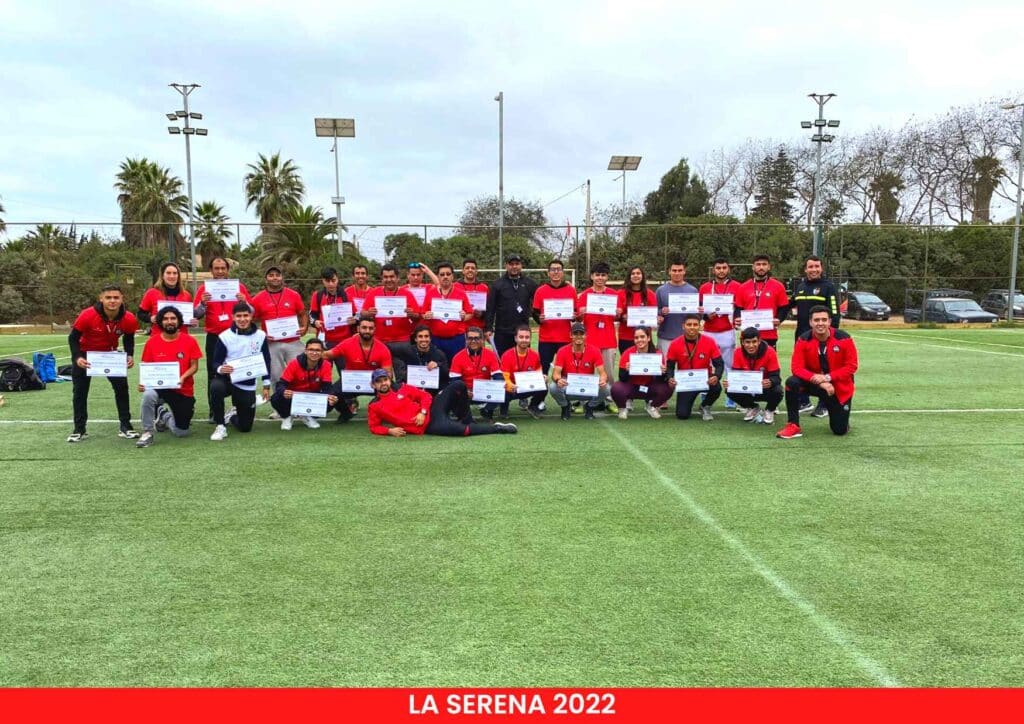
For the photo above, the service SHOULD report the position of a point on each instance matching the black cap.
(273, 267)
(577, 327)
(513, 257)
(379, 375)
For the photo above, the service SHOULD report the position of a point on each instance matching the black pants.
(685, 400)
(624, 344)
(80, 383)
(283, 406)
(182, 407)
(772, 396)
(773, 343)
(211, 371)
(838, 412)
(547, 352)
(453, 401)
(244, 402)
(535, 399)
(503, 341)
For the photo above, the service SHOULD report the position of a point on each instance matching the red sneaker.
(789, 432)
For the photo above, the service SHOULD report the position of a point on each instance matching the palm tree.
(273, 186)
(150, 197)
(303, 234)
(212, 230)
(987, 170)
(49, 243)
(883, 189)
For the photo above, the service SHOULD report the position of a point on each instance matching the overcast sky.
(84, 85)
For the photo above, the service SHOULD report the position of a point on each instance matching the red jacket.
(398, 408)
(840, 353)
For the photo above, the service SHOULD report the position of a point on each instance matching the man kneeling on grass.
(309, 372)
(169, 409)
(407, 410)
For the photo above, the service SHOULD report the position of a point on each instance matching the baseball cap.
(513, 257)
(578, 328)
(378, 375)
(273, 268)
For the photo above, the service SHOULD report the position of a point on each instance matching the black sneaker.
(566, 413)
(588, 413)
(820, 411)
(127, 432)
(534, 412)
(506, 428)
(78, 436)
(487, 415)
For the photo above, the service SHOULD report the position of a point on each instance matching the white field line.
(831, 630)
(941, 346)
(44, 349)
(912, 335)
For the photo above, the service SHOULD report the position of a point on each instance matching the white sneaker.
(751, 414)
(219, 433)
(286, 423)
(768, 418)
(623, 413)
(705, 413)
(652, 410)
(311, 423)
(274, 416)
(230, 415)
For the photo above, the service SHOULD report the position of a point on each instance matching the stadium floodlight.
(173, 130)
(172, 116)
(336, 128)
(819, 122)
(623, 164)
(197, 116)
(819, 138)
(180, 114)
(201, 132)
(806, 124)
(833, 124)
(185, 89)
(188, 131)
(816, 138)
(1015, 250)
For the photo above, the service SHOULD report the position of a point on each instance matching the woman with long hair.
(650, 387)
(168, 287)
(634, 293)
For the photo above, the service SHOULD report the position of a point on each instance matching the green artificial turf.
(636, 553)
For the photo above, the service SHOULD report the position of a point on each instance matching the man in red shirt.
(473, 288)
(414, 283)
(218, 314)
(309, 372)
(823, 365)
(98, 329)
(277, 307)
(476, 362)
(554, 332)
(359, 288)
(693, 351)
(450, 335)
(169, 409)
(522, 358)
(763, 292)
(754, 355)
(720, 326)
(601, 331)
(361, 353)
(331, 294)
(392, 327)
(580, 358)
(406, 410)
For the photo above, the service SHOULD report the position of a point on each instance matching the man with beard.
(361, 353)
(217, 315)
(762, 291)
(241, 339)
(694, 351)
(754, 355)
(421, 352)
(169, 409)
(509, 304)
(278, 302)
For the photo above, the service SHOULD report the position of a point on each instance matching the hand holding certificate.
(391, 306)
(425, 379)
(160, 375)
(309, 404)
(603, 304)
(222, 290)
(691, 380)
(760, 319)
(247, 369)
(745, 383)
(282, 328)
(337, 315)
(529, 381)
(106, 364)
(581, 385)
(645, 364)
(718, 304)
(446, 310)
(683, 303)
(558, 309)
(488, 391)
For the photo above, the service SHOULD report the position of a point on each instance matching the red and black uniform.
(513, 362)
(719, 322)
(478, 314)
(701, 353)
(278, 305)
(393, 329)
(298, 377)
(766, 361)
(600, 327)
(633, 298)
(481, 366)
(182, 402)
(835, 357)
(150, 304)
(350, 355)
(357, 297)
(400, 406)
(767, 294)
(652, 388)
(450, 337)
(93, 331)
(332, 337)
(553, 333)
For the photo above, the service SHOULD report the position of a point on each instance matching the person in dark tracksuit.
(811, 291)
(509, 304)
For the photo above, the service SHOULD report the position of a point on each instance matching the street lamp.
(188, 131)
(501, 174)
(819, 125)
(355, 239)
(624, 163)
(336, 128)
(1015, 249)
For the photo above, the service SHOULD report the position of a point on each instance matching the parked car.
(995, 302)
(865, 305)
(950, 310)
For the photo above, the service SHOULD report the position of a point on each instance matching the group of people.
(419, 349)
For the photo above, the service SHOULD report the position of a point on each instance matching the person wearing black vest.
(811, 291)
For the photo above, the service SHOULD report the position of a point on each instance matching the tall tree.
(273, 186)
(987, 170)
(152, 204)
(524, 219)
(49, 244)
(302, 234)
(776, 184)
(3, 226)
(212, 230)
(680, 194)
(884, 189)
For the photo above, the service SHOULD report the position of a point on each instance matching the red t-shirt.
(321, 299)
(477, 320)
(218, 315)
(399, 408)
(632, 298)
(100, 334)
(474, 367)
(285, 303)
(358, 359)
(512, 362)
(182, 350)
(769, 294)
(393, 329)
(300, 379)
(554, 330)
(418, 293)
(585, 363)
(719, 322)
(150, 301)
(639, 379)
(439, 328)
(600, 327)
(767, 363)
(693, 355)
(357, 296)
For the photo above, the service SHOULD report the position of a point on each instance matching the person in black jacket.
(811, 291)
(420, 351)
(509, 304)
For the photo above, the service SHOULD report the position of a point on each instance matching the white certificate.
(184, 307)
(760, 319)
(602, 304)
(159, 375)
(683, 303)
(222, 290)
(718, 304)
(418, 293)
(478, 300)
(691, 380)
(420, 376)
(245, 369)
(558, 309)
(336, 315)
(357, 302)
(310, 404)
(745, 383)
(391, 306)
(106, 364)
(645, 364)
(282, 327)
(446, 310)
(530, 381)
(357, 381)
(581, 385)
(488, 390)
(641, 316)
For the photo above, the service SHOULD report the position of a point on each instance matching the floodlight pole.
(337, 194)
(818, 236)
(501, 175)
(586, 229)
(185, 89)
(1015, 248)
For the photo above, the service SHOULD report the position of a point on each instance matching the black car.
(950, 310)
(865, 305)
(995, 302)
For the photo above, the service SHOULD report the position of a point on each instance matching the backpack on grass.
(45, 365)
(18, 376)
